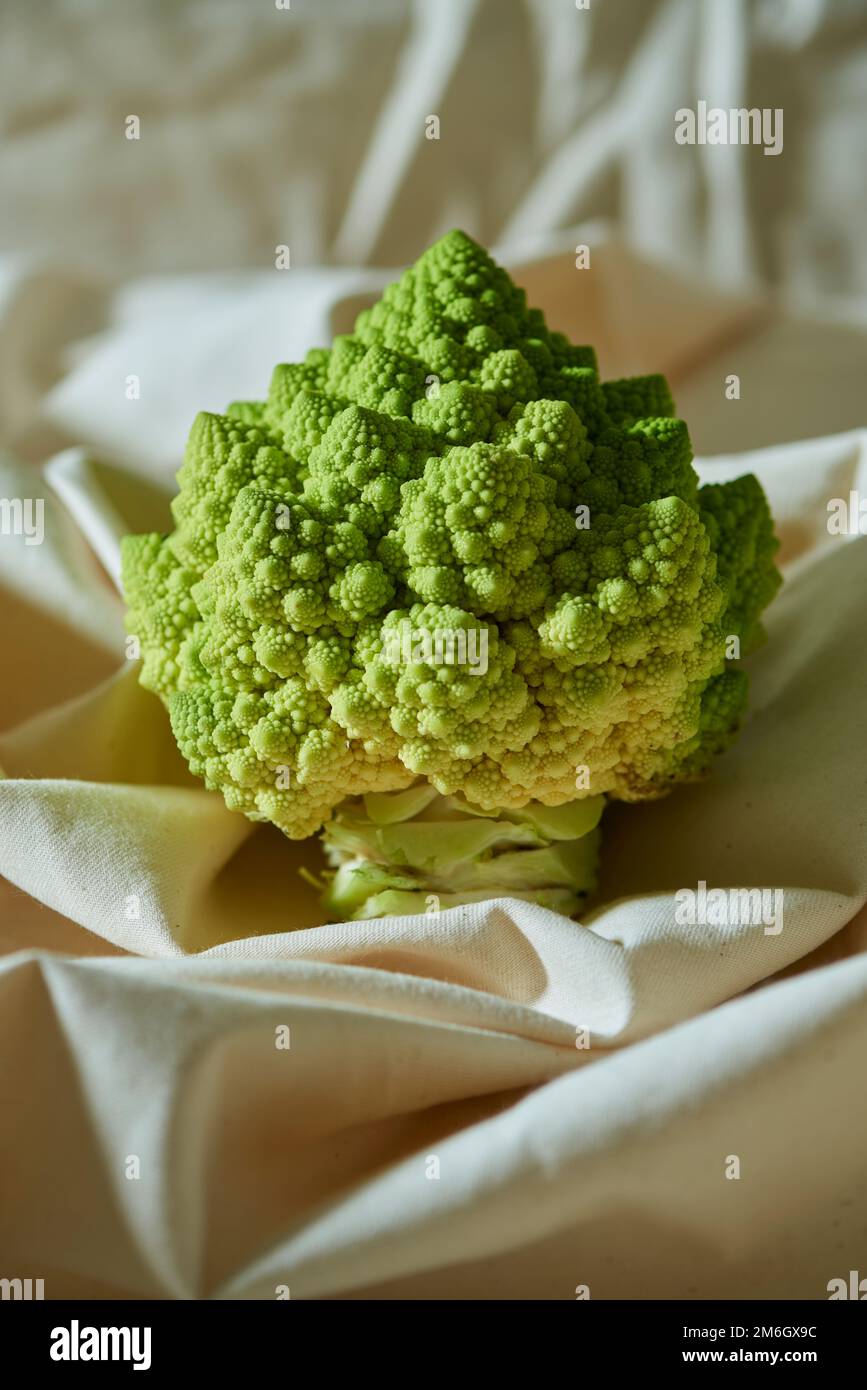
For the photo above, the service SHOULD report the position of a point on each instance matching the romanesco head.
(443, 549)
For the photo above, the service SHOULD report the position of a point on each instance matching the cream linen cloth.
(432, 1130)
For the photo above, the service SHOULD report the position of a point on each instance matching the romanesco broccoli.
(451, 467)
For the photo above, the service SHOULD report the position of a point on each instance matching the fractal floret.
(444, 592)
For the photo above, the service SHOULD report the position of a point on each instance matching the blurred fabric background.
(306, 126)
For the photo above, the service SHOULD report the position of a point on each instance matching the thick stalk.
(416, 851)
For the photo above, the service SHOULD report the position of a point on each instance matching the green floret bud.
(222, 456)
(551, 433)
(386, 381)
(287, 380)
(509, 378)
(457, 413)
(249, 412)
(362, 589)
(347, 351)
(308, 419)
(162, 612)
(741, 530)
(637, 398)
(473, 525)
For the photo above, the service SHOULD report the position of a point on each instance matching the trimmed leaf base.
(415, 851)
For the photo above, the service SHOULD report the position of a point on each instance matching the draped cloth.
(205, 1092)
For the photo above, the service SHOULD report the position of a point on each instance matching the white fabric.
(417, 1042)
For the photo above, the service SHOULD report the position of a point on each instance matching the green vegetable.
(443, 579)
